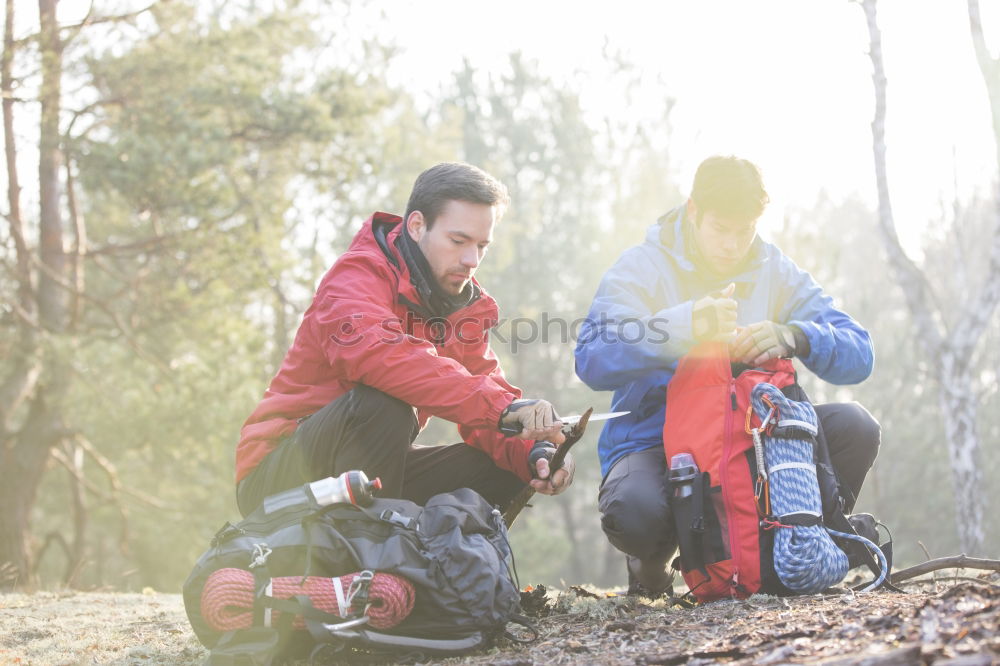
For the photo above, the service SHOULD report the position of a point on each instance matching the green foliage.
(206, 135)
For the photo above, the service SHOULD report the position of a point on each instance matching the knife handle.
(514, 431)
(511, 431)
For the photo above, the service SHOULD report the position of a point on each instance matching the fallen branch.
(954, 562)
(931, 581)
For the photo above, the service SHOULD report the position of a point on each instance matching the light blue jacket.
(639, 326)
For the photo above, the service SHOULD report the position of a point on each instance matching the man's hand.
(760, 342)
(714, 316)
(545, 481)
(532, 419)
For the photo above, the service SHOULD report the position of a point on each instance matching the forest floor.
(951, 620)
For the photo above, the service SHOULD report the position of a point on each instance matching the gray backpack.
(454, 550)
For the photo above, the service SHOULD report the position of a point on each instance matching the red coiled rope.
(227, 599)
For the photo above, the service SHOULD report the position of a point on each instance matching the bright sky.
(786, 83)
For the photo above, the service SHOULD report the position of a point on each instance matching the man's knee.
(641, 529)
(356, 430)
(863, 430)
(367, 402)
(362, 415)
(636, 519)
(850, 429)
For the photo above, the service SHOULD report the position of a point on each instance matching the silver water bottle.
(351, 487)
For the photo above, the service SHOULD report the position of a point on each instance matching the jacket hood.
(384, 224)
(667, 237)
(383, 233)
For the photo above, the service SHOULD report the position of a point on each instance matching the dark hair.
(454, 181)
(730, 187)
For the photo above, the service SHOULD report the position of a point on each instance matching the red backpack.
(724, 550)
(720, 505)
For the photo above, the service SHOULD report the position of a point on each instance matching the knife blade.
(573, 420)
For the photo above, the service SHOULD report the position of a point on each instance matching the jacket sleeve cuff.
(818, 344)
(802, 346)
(496, 408)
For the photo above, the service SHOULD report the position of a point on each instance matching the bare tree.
(949, 336)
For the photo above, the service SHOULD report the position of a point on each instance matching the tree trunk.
(989, 67)
(949, 350)
(26, 442)
(10, 154)
(52, 297)
(959, 408)
(19, 384)
(988, 297)
(23, 464)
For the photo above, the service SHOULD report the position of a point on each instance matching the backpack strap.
(832, 493)
(840, 523)
(361, 637)
(261, 585)
(256, 646)
(264, 605)
(698, 505)
(800, 519)
(523, 621)
(374, 513)
(697, 529)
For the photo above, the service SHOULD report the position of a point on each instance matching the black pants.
(635, 515)
(366, 429)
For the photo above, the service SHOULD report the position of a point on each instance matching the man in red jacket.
(397, 332)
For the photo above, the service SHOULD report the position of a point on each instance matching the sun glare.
(785, 83)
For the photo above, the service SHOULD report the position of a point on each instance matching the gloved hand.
(545, 481)
(760, 342)
(532, 419)
(714, 316)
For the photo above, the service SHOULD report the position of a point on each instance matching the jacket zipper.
(727, 444)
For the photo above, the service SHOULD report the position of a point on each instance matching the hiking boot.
(866, 526)
(648, 578)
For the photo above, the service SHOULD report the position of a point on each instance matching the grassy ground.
(950, 621)
(96, 628)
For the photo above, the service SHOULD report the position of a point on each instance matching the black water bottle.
(683, 472)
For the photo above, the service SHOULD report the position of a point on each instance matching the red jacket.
(358, 330)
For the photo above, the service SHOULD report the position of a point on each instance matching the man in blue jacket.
(703, 273)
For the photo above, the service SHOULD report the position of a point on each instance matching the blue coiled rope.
(806, 559)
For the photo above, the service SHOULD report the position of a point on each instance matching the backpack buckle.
(358, 591)
(225, 533)
(399, 519)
